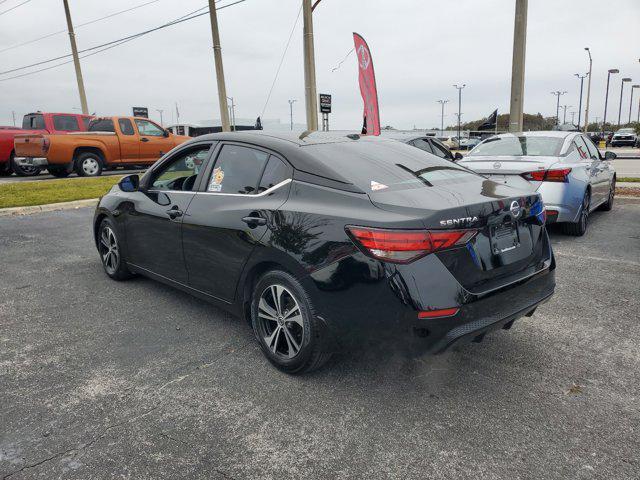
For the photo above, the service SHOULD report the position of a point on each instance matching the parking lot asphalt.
(101, 379)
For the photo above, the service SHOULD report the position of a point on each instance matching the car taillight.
(559, 175)
(45, 145)
(404, 246)
(445, 312)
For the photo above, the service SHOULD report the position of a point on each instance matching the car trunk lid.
(508, 170)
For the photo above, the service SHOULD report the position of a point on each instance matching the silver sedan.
(566, 168)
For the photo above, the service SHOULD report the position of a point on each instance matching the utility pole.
(217, 53)
(564, 118)
(310, 96)
(13, 116)
(624, 80)
(460, 105)
(291, 102)
(631, 100)
(586, 113)
(160, 112)
(76, 59)
(557, 94)
(606, 97)
(517, 67)
(442, 103)
(581, 77)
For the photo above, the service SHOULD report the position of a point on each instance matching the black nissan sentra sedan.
(319, 241)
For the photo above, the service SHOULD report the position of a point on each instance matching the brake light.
(445, 312)
(558, 175)
(404, 246)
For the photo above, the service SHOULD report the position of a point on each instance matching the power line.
(281, 61)
(28, 42)
(13, 8)
(116, 43)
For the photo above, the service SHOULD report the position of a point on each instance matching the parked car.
(452, 143)
(109, 142)
(320, 241)
(625, 137)
(426, 143)
(468, 143)
(566, 168)
(36, 123)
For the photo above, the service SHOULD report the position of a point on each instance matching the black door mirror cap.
(130, 183)
(608, 155)
(458, 156)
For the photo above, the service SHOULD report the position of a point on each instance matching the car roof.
(541, 133)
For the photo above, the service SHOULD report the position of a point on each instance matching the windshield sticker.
(377, 186)
(216, 180)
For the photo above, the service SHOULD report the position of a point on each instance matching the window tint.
(521, 145)
(101, 125)
(422, 145)
(440, 151)
(237, 170)
(593, 151)
(65, 123)
(275, 172)
(33, 122)
(86, 121)
(582, 147)
(181, 171)
(148, 129)
(125, 126)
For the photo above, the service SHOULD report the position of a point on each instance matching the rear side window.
(440, 151)
(65, 123)
(125, 126)
(237, 170)
(593, 151)
(275, 173)
(581, 147)
(422, 145)
(33, 122)
(101, 125)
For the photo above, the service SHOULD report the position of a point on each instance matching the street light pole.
(581, 77)
(442, 103)
(310, 96)
(606, 97)
(160, 112)
(291, 102)
(232, 110)
(460, 105)
(586, 113)
(624, 80)
(633, 87)
(76, 59)
(217, 53)
(516, 112)
(557, 94)
(564, 117)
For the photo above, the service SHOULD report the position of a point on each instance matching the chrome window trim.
(246, 195)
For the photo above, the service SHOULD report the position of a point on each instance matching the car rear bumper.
(31, 161)
(622, 143)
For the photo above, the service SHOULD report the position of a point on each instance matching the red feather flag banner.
(367, 80)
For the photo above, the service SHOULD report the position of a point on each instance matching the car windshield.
(626, 130)
(521, 145)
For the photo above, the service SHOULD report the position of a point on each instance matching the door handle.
(144, 139)
(253, 222)
(174, 213)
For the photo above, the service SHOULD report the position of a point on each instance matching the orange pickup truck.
(109, 142)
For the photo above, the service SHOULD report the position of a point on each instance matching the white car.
(625, 137)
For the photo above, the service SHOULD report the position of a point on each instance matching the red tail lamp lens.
(446, 312)
(403, 246)
(559, 175)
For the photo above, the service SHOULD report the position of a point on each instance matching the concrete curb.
(627, 199)
(51, 207)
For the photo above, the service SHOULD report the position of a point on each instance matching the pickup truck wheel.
(60, 172)
(23, 171)
(89, 164)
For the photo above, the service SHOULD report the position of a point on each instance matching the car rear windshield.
(381, 166)
(33, 122)
(521, 145)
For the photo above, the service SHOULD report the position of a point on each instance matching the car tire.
(5, 169)
(293, 346)
(89, 164)
(60, 172)
(109, 247)
(608, 205)
(22, 171)
(579, 228)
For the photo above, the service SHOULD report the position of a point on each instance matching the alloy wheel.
(281, 320)
(109, 250)
(90, 166)
(584, 211)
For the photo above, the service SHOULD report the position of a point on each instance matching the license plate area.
(504, 238)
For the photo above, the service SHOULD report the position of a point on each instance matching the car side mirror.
(130, 183)
(167, 133)
(458, 156)
(609, 155)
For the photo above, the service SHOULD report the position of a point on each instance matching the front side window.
(86, 121)
(440, 151)
(148, 129)
(532, 146)
(181, 171)
(422, 145)
(101, 125)
(65, 123)
(275, 172)
(125, 126)
(593, 151)
(581, 147)
(237, 170)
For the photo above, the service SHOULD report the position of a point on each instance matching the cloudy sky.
(420, 49)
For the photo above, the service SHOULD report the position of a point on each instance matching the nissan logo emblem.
(497, 165)
(515, 209)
